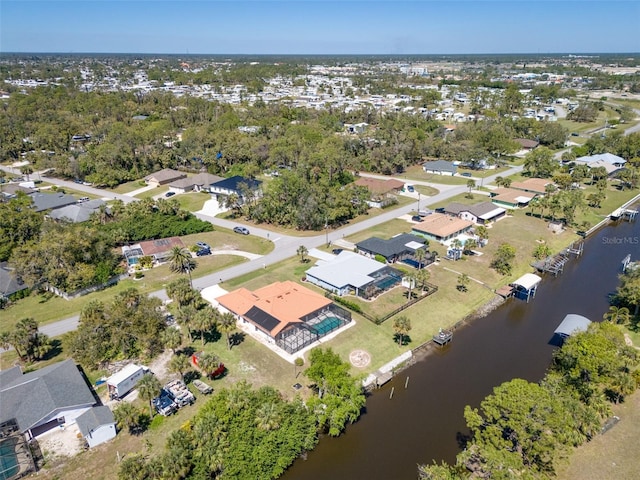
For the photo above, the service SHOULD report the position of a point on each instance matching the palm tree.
(226, 325)
(402, 326)
(127, 415)
(148, 389)
(423, 278)
(302, 252)
(208, 362)
(463, 282)
(181, 261)
(411, 278)
(179, 364)
(204, 320)
(171, 338)
(268, 417)
(617, 315)
(186, 317)
(471, 184)
(181, 292)
(482, 233)
(420, 256)
(26, 170)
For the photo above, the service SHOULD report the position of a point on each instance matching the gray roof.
(49, 201)
(9, 284)
(609, 158)
(571, 324)
(393, 246)
(200, 179)
(165, 175)
(79, 212)
(480, 210)
(32, 397)
(347, 268)
(93, 418)
(441, 165)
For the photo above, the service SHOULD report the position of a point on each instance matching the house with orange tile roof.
(285, 314)
(441, 227)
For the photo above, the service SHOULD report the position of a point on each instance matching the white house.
(612, 163)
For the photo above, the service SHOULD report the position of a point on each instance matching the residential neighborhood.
(290, 238)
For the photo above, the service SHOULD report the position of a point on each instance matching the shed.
(97, 425)
(571, 324)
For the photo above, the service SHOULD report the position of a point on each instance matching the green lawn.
(192, 202)
(416, 172)
(161, 190)
(48, 308)
(125, 188)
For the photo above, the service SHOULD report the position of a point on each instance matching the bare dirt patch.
(359, 358)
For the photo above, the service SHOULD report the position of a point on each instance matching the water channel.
(424, 422)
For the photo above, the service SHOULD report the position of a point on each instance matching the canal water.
(424, 422)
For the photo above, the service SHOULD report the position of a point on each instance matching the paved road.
(285, 245)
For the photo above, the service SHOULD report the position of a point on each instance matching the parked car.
(169, 194)
(202, 387)
(410, 188)
(336, 251)
(164, 404)
(203, 252)
(242, 230)
(465, 174)
(203, 245)
(416, 218)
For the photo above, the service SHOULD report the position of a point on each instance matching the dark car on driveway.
(203, 245)
(169, 194)
(203, 251)
(242, 230)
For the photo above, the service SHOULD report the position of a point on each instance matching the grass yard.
(49, 308)
(192, 202)
(416, 172)
(125, 188)
(611, 456)
(161, 190)
(426, 191)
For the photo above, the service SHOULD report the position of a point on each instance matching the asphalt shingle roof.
(390, 247)
(32, 397)
(94, 418)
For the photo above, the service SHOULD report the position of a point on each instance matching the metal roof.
(348, 268)
(571, 324)
(123, 374)
(528, 281)
(393, 246)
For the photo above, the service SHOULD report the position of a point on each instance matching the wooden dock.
(443, 337)
(555, 263)
(624, 214)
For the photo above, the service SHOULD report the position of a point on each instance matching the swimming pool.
(8, 459)
(328, 324)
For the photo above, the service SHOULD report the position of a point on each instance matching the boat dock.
(443, 337)
(555, 263)
(627, 214)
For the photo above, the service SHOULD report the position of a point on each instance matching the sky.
(320, 26)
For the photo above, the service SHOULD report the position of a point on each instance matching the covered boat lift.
(571, 324)
(526, 285)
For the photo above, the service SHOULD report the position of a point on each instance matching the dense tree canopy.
(130, 326)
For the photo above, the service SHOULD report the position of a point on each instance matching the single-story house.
(395, 249)
(11, 190)
(532, 185)
(79, 212)
(51, 201)
(349, 273)
(612, 163)
(52, 396)
(97, 425)
(480, 213)
(196, 183)
(9, 283)
(441, 227)
(163, 177)
(158, 249)
(526, 144)
(441, 167)
(356, 127)
(382, 190)
(287, 314)
(510, 198)
(237, 185)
